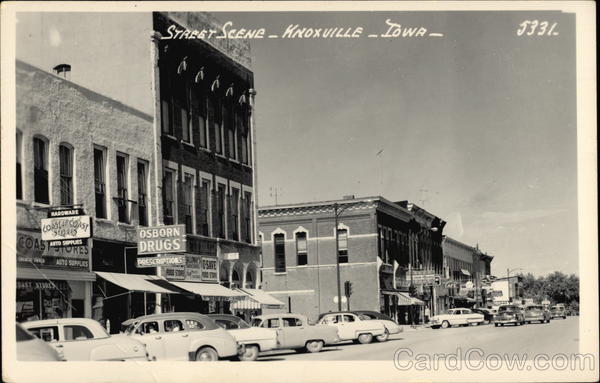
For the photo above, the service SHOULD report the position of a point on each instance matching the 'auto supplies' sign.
(33, 251)
(161, 239)
(66, 231)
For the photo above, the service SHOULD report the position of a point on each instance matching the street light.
(337, 212)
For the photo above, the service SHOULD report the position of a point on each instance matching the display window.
(38, 300)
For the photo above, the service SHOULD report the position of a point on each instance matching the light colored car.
(558, 311)
(456, 317)
(254, 339)
(30, 348)
(351, 327)
(294, 332)
(183, 336)
(86, 339)
(391, 327)
(537, 313)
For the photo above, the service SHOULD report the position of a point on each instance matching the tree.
(556, 286)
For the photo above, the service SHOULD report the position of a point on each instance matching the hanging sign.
(163, 260)
(161, 239)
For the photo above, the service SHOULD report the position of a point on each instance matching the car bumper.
(505, 321)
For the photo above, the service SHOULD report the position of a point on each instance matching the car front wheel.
(365, 338)
(250, 354)
(314, 345)
(445, 324)
(383, 337)
(207, 354)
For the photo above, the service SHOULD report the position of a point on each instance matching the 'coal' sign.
(161, 239)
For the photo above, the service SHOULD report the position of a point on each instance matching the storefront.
(256, 301)
(52, 282)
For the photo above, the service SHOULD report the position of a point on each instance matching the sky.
(477, 126)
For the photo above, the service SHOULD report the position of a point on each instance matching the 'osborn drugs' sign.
(161, 239)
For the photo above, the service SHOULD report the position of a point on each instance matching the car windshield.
(130, 328)
(534, 308)
(243, 324)
(22, 335)
(507, 309)
(255, 322)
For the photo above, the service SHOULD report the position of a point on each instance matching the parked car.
(456, 317)
(30, 348)
(558, 311)
(86, 339)
(390, 325)
(350, 326)
(294, 332)
(488, 315)
(184, 336)
(509, 314)
(537, 313)
(254, 339)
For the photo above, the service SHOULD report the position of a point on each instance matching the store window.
(279, 247)
(40, 170)
(38, 299)
(301, 249)
(65, 153)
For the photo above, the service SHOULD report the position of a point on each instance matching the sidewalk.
(418, 327)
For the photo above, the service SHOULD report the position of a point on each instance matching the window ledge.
(191, 145)
(207, 150)
(302, 266)
(280, 273)
(103, 220)
(127, 225)
(220, 155)
(247, 166)
(170, 136)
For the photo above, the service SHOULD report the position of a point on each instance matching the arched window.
(40, 170)
(65, 152)
(249, 278)
(301, 248)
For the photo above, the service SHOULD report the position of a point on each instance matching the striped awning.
(137, 282)
(403, 298)
(262, 297)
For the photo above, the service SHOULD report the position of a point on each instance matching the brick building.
(145, 131)
(378, 243)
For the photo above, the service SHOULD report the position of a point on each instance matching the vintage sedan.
(294, 332)
(558, 311)
(488, 315)
(30, 348)
(537, 313)
(456, 317)
(391, 327)
(509, 314)
(254, 339)
(184, 336)
(352, 327)
(86, 339)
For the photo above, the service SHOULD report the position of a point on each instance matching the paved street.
(558, 336)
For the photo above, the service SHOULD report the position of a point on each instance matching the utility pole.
(337, 257)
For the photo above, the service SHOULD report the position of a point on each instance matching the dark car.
(509, 314)
(537, 313)
(488, 316)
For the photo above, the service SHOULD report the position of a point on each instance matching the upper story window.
(243, 133)
(100, 181)
(221, 211)
(279, 249)
(234, 213)
(187, 205)
(301, 248)
(169, 193)
(122, 190)
(200, 120)
(65, 153)
(181, 123)
(247, 217)
(204, 210)
(167, 127)
(40, 170)
(19, 159)
(229, 128)
(214, 118)
(142, 171)
(343, 245)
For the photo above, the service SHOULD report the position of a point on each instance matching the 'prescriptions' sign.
(161, 239)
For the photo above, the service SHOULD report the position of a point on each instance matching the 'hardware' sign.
(161, 239)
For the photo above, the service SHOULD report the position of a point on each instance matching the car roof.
(46, 322)
(167, 316)
(224, 316)
(270, 316)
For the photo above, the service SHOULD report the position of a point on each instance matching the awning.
(136, 282)
(262, 297)
(465, 272)
(61, 275)
(210, 291)
(403, 298)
